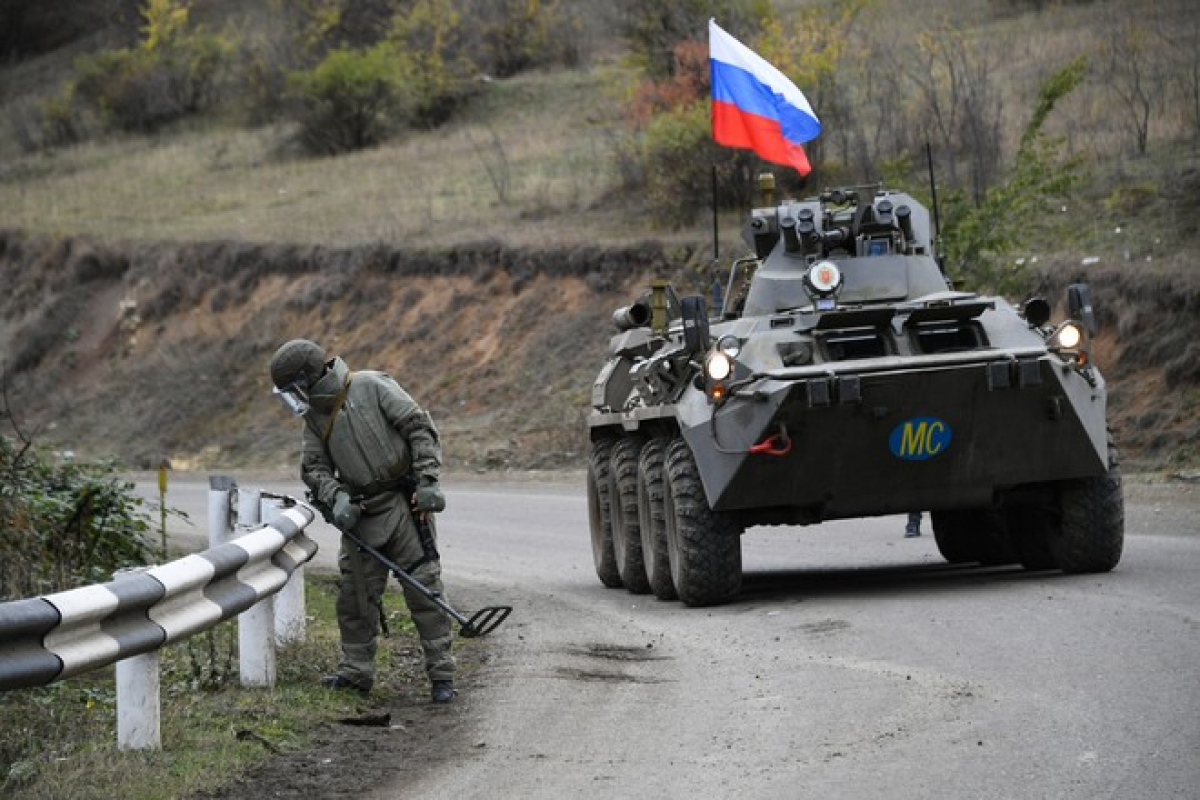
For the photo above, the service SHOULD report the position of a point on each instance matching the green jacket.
(379, 434)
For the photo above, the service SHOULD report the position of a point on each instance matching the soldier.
(371, 457)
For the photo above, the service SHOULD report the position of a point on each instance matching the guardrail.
(49, 638)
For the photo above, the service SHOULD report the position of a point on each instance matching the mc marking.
(919, 439)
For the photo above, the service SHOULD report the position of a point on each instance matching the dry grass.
(532, 163)
(533, 148)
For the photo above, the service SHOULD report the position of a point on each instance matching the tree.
(979, 237)
(961, 112)
(654, 27)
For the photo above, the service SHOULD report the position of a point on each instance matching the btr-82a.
(844, 377)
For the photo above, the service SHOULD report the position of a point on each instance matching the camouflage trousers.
(390, 530)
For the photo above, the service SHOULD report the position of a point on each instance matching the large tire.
(1030, 526)
(651, 484)
(599, 515)
(976, 534)
(626, 531)
(705, 547)
(1092, 534)
(952, 534)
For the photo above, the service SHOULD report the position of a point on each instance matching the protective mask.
(294, 398)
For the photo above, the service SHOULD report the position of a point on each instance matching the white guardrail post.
(259, 627)
(256, 626)
(138, 703)
(289, 601)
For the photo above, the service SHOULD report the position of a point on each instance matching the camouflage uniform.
(378, 436)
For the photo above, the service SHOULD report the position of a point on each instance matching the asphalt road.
(856, 664)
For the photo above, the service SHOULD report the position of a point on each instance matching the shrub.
(517, 35)
(652, 28)
(172, 73)
(429, 44)
(678, 154)
(351, 100)
(64, 525)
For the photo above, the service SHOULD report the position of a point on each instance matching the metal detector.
(481, 623)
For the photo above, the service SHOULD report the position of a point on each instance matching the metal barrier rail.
(45, 639)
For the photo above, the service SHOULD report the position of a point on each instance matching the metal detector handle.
(484, 621)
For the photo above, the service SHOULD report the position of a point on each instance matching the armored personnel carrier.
(844, 377)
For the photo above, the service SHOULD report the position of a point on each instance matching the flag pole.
(715, 229)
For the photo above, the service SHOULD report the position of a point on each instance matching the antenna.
(937, 217)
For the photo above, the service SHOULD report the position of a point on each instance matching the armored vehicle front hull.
(845, 378)
(949, 433)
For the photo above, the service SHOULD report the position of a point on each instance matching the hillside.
(154, 352)
(148, 279)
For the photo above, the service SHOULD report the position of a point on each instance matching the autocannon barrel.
(636, 315)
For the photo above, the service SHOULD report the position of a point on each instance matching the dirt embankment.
(153, 351)
(159, 351)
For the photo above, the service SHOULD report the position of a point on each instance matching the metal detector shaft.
(481, 623)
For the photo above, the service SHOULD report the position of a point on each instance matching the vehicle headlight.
(729, 345)
(719, 366)
(1068, 336)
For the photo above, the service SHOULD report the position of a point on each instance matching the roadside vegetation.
(60, 740)
(67, 523)
(63, 523)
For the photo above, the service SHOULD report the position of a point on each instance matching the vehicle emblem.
(919, 439)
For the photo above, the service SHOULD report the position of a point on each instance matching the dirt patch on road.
(386, 743)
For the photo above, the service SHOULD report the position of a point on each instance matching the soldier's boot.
(443, 691)
(343, 682)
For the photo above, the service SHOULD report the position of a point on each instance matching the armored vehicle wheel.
(1092, 534)
(705, 546)
(599, 517)
(977, 534)
(651, 485)
(1030, 527)
(952, 534)
(626, 531)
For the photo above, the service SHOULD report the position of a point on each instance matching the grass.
(60, 740)
(533, 145)
(531, 162)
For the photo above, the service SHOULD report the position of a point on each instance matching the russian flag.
(755, 106)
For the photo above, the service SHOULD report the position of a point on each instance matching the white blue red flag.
(755, 106)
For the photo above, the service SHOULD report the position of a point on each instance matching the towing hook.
(775, 445)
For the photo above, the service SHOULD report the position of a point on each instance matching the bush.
(63, 526)
(429, 43)
(173, 73)
(678, 154)
(652, 28)
(517, 35)
(351, 100)
(680, 160)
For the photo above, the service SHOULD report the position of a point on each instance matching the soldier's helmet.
(298, 362)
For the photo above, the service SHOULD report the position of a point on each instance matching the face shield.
(294, 398)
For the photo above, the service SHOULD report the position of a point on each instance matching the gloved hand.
(345, 513)
(429, 496)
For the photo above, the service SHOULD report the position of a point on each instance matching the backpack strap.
(337, 406)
